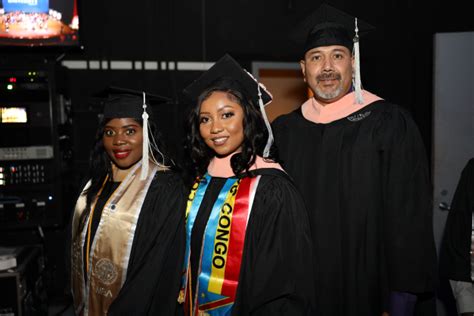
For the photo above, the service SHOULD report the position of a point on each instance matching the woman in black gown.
(248, 248)
(127, 226)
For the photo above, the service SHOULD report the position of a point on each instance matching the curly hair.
(255, 132)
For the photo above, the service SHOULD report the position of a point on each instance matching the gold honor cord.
(191, 298)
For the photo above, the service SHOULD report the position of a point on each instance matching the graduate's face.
(328, 72)
(221, 123)
(123, 138)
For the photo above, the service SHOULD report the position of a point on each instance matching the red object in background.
(74, 13)
(12, 79)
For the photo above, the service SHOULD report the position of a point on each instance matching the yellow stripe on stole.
(221, 242)
(191, 197)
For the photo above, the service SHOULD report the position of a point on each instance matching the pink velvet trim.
(318, 113)
(220, 167)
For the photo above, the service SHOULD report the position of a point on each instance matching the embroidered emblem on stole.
(108, 263)
(358, 117)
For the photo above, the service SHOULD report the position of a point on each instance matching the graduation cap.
(122, 102)
(127, 103)
(329, 26)
(227, 67)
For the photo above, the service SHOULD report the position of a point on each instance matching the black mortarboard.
(228, 67)
(328, 26)
(122, 102)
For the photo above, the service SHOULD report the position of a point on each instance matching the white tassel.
(357, 80)
(266, 151)
(145, 150)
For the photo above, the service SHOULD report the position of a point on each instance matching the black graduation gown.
(366, 186)
(154, 272)
(455, 256)
(277, 262)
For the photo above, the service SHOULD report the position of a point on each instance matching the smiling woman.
(247, 237)
(221, 127)
(126, 226)
(123, 141)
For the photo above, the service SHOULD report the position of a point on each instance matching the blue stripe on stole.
(190, 222)
(209, 238)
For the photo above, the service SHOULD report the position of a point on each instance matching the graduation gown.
(154, 270)
(455, 256)
(276, 270)
(365, 182)
(153, 276)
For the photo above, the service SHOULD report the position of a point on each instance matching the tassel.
(266, 151)
(357, 81)
(145, 150)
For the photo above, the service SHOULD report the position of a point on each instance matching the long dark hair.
(100, 164)
(255, 132)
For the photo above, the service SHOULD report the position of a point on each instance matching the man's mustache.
(328, 76)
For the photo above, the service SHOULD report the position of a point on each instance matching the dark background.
(396, 60)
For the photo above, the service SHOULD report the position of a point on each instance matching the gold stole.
(111, 247)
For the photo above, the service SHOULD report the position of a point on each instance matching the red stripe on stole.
(215, 304)
(237, 238)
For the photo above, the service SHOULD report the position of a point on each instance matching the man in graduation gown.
(361, 166)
